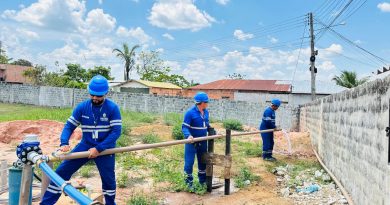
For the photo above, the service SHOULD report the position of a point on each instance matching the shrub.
(244, 177)
(177, 134)
(232, 125)
(171, 119)
(86, 171)
(150, 138)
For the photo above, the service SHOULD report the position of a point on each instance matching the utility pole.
(313, 69)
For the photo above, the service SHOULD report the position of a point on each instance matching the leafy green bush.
(244, 177)
(150, 138)
(177, 134)
(232, 125)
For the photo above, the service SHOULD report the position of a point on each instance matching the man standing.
(101, 124)
(196, 124)
(268, 122)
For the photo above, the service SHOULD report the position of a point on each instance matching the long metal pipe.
(53, 176)
(77, 155)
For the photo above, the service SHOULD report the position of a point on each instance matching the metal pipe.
(209, 167)
(342, 189)
(45, 180)
(227, 153)
(25, 186)
(53, 176)
(67, 188)
(85, 154)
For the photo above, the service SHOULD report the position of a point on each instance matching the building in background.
(13, 74)
(147, 87)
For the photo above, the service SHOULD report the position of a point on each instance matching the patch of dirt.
(164, 132)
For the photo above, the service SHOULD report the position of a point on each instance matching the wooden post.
(227, 154)
(209, 167)
(45, 180)
(3, 176)
(25, 186)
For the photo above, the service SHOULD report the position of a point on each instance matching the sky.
(203, 40)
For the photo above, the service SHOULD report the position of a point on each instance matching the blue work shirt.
(195, 124)
(268, 120)
(101, 125)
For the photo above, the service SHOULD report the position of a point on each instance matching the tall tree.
(76, 72)
(36, 74)
(128, 56)
(236, 76)
(3, 57)
(163, 75)
(100, 70)
(148, 61)
(348, 79)
(22, 62)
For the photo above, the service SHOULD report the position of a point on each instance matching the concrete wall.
(348, 131)
(293, 99)
(248, 113)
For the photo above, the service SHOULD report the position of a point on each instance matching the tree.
(128, 57)
(36, 74)
(100, 70)
(148, 61)
(163, 75)
(3, 57)
(22, 62)
(348, 79)
(76, 72)
(236, 76)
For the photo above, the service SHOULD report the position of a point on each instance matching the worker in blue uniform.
(101, 125)
(196, 124)
(268, 122)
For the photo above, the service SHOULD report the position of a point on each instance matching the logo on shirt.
(104, 118)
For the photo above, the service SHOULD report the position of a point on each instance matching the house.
(147, 87)
(13, 74)
(233, 89)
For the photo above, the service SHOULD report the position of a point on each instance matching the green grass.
(171, 119)
(142, 199)
(245, 175)
(10, 112)
(132, 161)
(150, 138)
(86, 171)
(122, 180)
(249, 149)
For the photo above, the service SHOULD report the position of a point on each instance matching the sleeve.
(185, 128)
(269, 121)
(115, 132)
(70, 125)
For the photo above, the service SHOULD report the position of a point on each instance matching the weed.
(142, 199)
(177, 134)
(245, 176)
(131, 160)
(171, 119)
(122, 180)
(86, 171)
(233, 125)
(150, 138)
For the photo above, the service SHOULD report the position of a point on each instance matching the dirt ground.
(11, 133)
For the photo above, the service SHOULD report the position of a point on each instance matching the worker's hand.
(93, 153)
(64, 148)
(191, 138)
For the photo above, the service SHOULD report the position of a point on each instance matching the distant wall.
(248, 113)
(348, 131)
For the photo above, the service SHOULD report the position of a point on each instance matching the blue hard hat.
(275, 102)
(201, 97)
(98, 86)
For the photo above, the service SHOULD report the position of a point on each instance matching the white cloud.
(358, 42)
(334, 48)
(135, 33)
(168, 36)
(160, 50)
(179, 14)
(98, 21)
(100, 2)
(327, 65)
(27, 35)
(215, 48)
(384, 7)
(55, 14)
(222, 2)
(273, 39)
(174, 65)
(240, 35)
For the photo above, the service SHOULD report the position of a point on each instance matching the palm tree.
(348, 79)
(128, 57)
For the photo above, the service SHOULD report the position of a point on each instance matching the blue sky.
(204, 40)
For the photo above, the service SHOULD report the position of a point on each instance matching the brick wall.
(348, 131)
(165, 91)
(213, 94)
